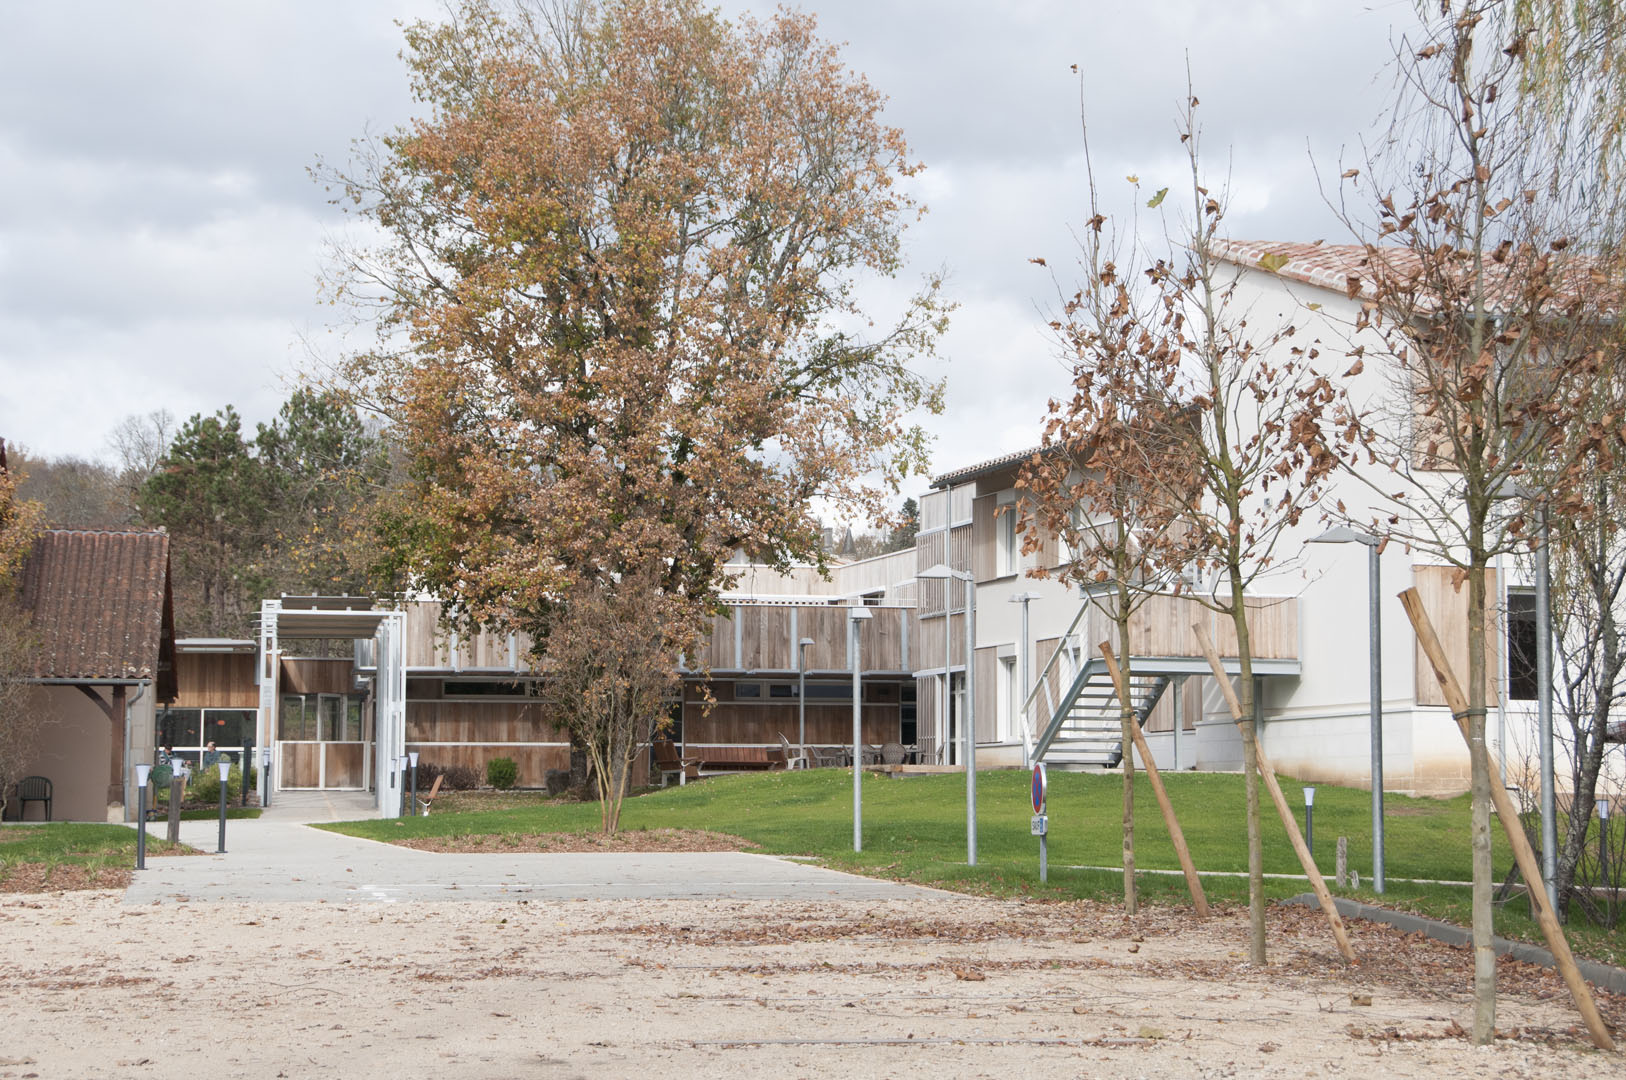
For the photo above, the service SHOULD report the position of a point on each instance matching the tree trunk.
(1250, 773)
(1126, 717)
(1484, 1026)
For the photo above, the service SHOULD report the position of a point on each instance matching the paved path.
(279, 858)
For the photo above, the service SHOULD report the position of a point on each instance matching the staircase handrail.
(1041, 681)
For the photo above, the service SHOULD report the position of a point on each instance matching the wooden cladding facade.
(1447, 607)
(208, 680)
(763, 637)
(733, 721)
(304, 675)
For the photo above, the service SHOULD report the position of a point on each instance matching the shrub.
(502, 773)
(205, 785)
(458, 777)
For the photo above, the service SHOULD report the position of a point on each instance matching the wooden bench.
(727, 759)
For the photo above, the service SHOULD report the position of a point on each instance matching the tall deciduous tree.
(621, 334)
(1486, 319)
(20, 521)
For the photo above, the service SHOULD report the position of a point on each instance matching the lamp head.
(856, 613)
(1603, 809)
(1343, 534)
(224, 765)
(942, 570)
(1309, 796)
(805, 642)
(412, 757)
(142, 773)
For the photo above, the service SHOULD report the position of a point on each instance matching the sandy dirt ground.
(91, 987)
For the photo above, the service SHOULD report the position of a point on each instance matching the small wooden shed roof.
(101, 607)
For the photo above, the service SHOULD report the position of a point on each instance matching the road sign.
(1041, 786)
(1040, 825)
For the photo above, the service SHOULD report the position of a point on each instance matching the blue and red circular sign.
(1040, 788)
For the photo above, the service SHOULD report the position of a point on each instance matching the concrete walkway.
(280, 858)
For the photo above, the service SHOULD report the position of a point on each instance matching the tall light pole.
(855, 621)
(801, 698)
(1342, 534)
(968, 727)
(1023, 662)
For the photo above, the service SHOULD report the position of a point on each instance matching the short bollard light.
(143, 772)
(265, 777)
(224, 765)
(1603, 840)
(412, 764)
(1309, 819)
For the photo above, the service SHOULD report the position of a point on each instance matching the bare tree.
(1483, 316)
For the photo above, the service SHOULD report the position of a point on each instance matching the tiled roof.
(1328, 265)
(971, 472)
(1352, 270)
(99, 603)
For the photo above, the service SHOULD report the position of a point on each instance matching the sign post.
(1041, 821)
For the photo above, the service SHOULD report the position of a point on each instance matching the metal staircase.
(1085, 728)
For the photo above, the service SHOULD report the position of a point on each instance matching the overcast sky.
(160, 239)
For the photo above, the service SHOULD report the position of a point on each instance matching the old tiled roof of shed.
(1328, 265)
(100, 603)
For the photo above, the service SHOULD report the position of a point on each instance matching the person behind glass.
(211, 756)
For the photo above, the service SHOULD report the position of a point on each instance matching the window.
(1007, 703)
(1521, 644)
(1005, 540)
(747, 690)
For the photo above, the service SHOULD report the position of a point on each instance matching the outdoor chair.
(892, 754)
(669, 763)
(33, 789)
(793, 760)
(828, 757)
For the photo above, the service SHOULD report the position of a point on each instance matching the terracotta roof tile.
(99, 603)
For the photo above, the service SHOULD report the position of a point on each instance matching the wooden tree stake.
(1283, 811)
(1193, 884)
(1522, 853)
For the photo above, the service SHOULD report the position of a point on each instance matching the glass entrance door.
(322, 742)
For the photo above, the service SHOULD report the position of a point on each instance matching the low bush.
(502, 773)
(205, 785)
(458, 777)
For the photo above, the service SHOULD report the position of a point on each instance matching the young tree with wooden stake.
(1260, 430)
(1462, 712)
(1096, 484)
(1177, 836)
(1481, 312)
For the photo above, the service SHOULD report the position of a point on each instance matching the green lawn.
(915, 831)
(74, 854)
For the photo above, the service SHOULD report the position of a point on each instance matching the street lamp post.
(801, 698)
(855, 620)
(1342, 534)
(968, 714)
(1023, 663)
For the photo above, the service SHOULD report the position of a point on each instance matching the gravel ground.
(92, 987)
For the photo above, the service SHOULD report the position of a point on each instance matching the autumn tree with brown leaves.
(620, 335)
(1486, 317)
(1101, 481)
(20, 521)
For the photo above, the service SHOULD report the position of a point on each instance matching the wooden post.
(1268, 774)
(177, 791)
(1193, 884)
(1509, 815)
(1340, 872)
